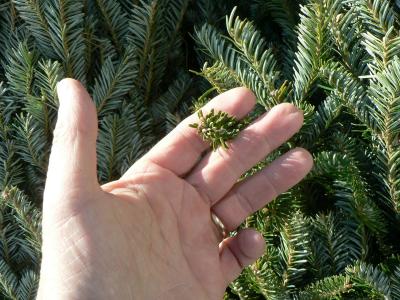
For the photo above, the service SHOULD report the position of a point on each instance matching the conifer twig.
(218, 128)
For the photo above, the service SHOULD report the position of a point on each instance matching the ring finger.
(253, 194)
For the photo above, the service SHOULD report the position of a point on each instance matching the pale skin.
(149, 235)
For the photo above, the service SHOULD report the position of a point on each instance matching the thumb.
(72, 165)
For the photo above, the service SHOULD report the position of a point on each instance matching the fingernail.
(295, 109)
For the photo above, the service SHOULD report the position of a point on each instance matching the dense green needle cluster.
(218, 128)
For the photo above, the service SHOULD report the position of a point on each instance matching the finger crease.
(203, 195)
(197, 147)
(266, 144)
(245, 203)
(238, 261)
(270, 184)
(234, 164)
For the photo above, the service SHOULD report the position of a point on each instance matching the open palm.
(149, 235)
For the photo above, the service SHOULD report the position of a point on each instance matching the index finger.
(180, 150)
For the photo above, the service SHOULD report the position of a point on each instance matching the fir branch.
(220, 77)
(145, 38)
(142, 29)
(106, 49)
(324, 246)
(44, 106)
(90, 46)
(65, 19)
(175, 10)
(351, 190)
(114, 82)
(381, 35)
(347, 37)
(253, 46)
(314, 45)
(275, 215)
(122, 137)
(115, 19)
(377, 16)
(395, 283)
(10, 168)
(7, 234)
(327, 112)
(7, 104)
(328, 288)
(143, 135)
(335, 243)
(153, 30)
(33, 13)
(26, 215)
(115, 137)
(28, 285)
(385, 94)
(352, 93)
(128, 5)
(260, 280)
(294, 251)
(382, 51)
(47, 75)
(283, 13)
(171, 121)
(7, 30)
(32, 144)
(220, 49)
(370, 279)
(208, 11)
(8, 281)
(244, 287)
(169, 101)
(20, 69)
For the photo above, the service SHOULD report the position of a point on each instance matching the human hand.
(149, 235)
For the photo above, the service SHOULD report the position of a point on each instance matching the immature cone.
(218, 128)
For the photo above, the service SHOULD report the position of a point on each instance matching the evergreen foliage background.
(334, 236)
